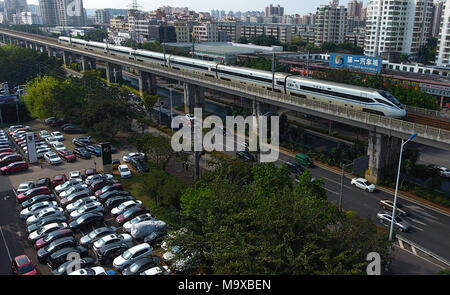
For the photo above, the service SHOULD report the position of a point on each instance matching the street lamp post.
(170, 95)
(394, 207)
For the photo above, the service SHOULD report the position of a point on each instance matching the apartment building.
(397, 27)
(206, 32)
(330, 24)
(443, 51)
(49, 12)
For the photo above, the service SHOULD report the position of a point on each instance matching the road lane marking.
(400, 242)
(6, 245)
(333, 192)
(417, 221)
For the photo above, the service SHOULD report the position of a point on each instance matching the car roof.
(22, 260)
(139, 247)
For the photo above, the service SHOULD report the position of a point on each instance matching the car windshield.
(26, 268)
(53, 156)
(127, 255)
(367, 183)
(398, 219)
(134, 267)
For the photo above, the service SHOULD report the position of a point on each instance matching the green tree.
(260, 224)
(242, 40)
(98, 35)
(157, 148)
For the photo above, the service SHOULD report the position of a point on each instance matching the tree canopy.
(243, 219)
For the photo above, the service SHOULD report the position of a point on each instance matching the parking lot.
(13, 233)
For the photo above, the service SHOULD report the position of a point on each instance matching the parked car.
(124, 171)
(74, 189)
(73, 130)
(44, 213)
(157, 270)
(363, 184)
(90, 171)
(45, 221)
(46, 229)
(109, 252)
(99, 184)
(156, 237)
(131, 213)
(37, 199)
(138, 165)
(42, 151)
(74, 197)
(245, 156)
(105, 196)
(96, 177)
(9, 159)
(111, 239)
(42, 190)
(444, 172)
(44, 134)
(52, 158)
(140, 218)
(386, 218)
(115, 164)
(59, 146)
(50, 120)
(68, 184)
(47, 239)
(117, 200)
(96, 234)
(295, 168)
(60, 256)
(75, 174)
(88, 208)
(57, 135)
(111, 187)
(24, 186)
(44, 182)
(7, 150)
(66, 267)
(124, 206)
(80, 202)
(22, 265)
(67, 156)
(60, 243)
(14, 167)
(94, 149)
(33, 209)
(91, 271)
(389, 205)
(128, 157)
(141, 265)
(86, 220)
(82, 138)
(81, 153)
(58, 180)
(132, 255)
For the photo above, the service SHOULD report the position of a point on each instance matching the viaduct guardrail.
(393, 127)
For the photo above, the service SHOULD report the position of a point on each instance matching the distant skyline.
(290, 6)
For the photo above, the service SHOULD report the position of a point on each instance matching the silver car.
(401, 224)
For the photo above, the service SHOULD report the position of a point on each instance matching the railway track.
(425, 120)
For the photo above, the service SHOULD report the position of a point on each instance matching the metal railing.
(426, 112)
(416, 247)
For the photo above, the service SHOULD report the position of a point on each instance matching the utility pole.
(170, 95)
(164, 51)
(273, 71)
(307, 66)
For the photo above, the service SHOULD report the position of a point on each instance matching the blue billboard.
(355, 62)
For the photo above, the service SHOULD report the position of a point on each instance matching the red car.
(4, 154)
(6, 150)
(42, 190)
(50, 237)
(67, 156)
(22, 265)
(14, 167)
(131, 213)
(8, 159)
(89, 172)
(108, 188)
(58, 179)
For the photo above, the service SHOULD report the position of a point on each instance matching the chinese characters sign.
(355, 62)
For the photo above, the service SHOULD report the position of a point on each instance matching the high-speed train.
(358, 98)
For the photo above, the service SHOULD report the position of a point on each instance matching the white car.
(92, 178)
(33, 209)
(363, 184)
(68, 184)
(73, 189)
(44, 134)
(128, 157)
(80, 202)
(131, 255)
(47, 212)
(74, 174)
(33, 236)
(93, 207)
(124, 206)
(92, 271)
(59, 146)
(157, 270)
(110, 239)
(127, 226)
(57, 135)
(24, 186)
(444, 172)
(42, 151)
(52, 158)
(51, 140)
(124, 171)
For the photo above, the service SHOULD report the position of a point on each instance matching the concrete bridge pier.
(194, 97)
(382, 151)
(65, 57)
(147, 82)
(113, 73)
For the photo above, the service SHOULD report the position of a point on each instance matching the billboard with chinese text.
(355, 62)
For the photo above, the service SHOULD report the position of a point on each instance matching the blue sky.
(290, 6)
